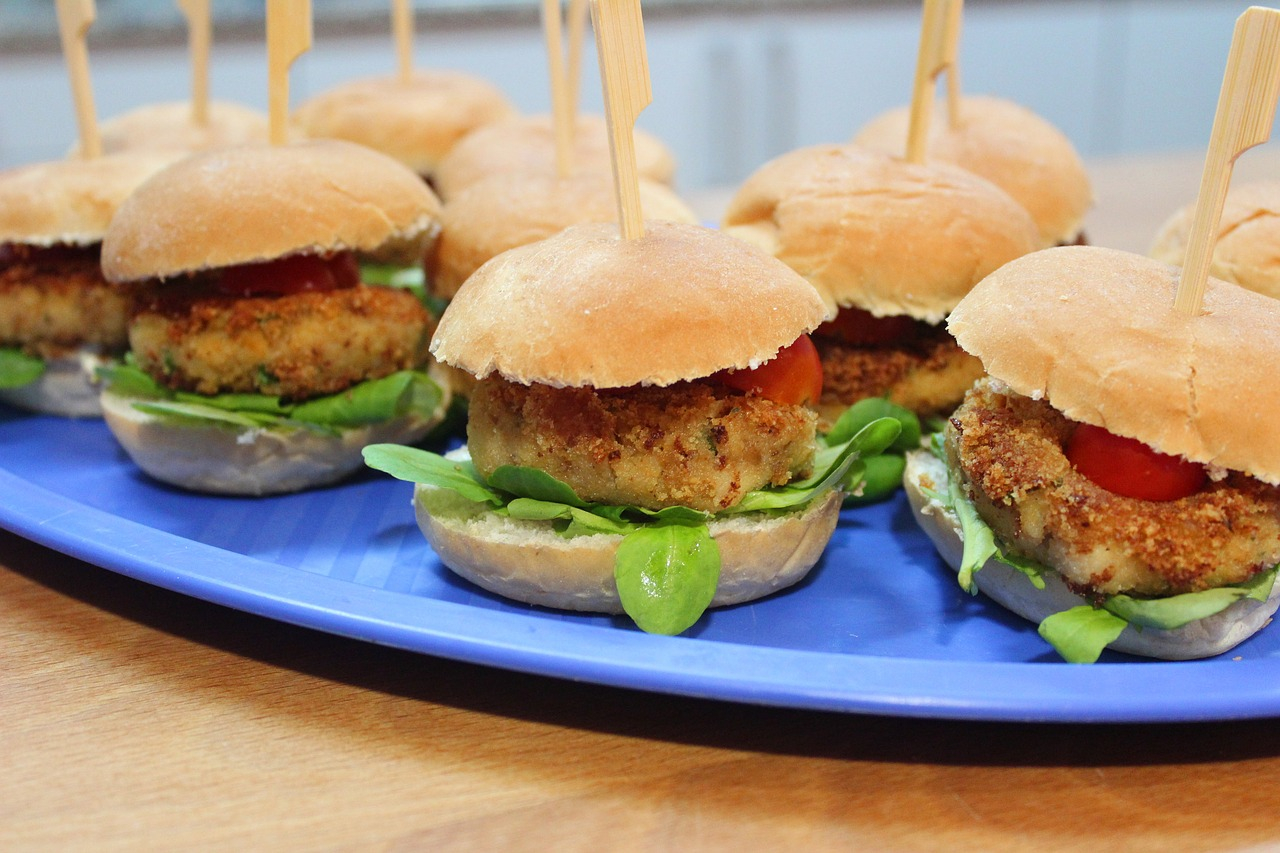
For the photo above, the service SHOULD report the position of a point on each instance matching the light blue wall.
(730, 91)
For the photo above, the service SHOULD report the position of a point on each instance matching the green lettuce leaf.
(979, 541)
(1081, 633)
(879, 477)
(855, 418)
(432, 469)
(667, 575)
(18, 369)
(1174, 611)
(401, 393)
(534, 483)
(581, 522)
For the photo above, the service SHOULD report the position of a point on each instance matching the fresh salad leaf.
(855, 418)
(374, 401)
(393, 275)
(881, 476)
(667, 575)
(581, 522)
(1175, 611)
(197, 412)
(979, 541)
(1081, 633)
(534, 483)
(432, 469)
(18, 369)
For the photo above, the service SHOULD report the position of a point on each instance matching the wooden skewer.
(577, 28)
(1246, 108)
(955, 15)
(402, 27)
(74, 19)
(561, 114)
(939, 32)
(624, 71)
(199, 36)
(288, 37)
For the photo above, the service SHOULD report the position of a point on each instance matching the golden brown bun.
(259, 202)
(1008, 145)
(169, 126)
(504, 211)
(416, 121)
(1095, 333)
(878, 233)
(71, 201)
(1011, 589)
(1248, 248)
(527, 561)
(586, 307)
(527, 144)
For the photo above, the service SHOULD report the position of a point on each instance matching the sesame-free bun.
(587, 307)
(71, 201)
(527, 144)
(1094, 332)
(1010, 146)
(1011, 589)
(67, 387)
(1247, 251)
(260, 202)
(236, 460)
(415, 120)
(171, 126)
(528, 561)
(875, 232)
(513, 209)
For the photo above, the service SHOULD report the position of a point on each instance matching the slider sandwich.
(639, 439)
(1247, 248)
(1116, 479)
(1009, 145)
(892, 246)
(171, 126)
(528, 144)
(259, 362)
(59, 319)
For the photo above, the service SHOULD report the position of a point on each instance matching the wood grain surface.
(138, 719)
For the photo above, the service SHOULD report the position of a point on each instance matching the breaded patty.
(1009, 449)
(296, 346)
(691, 444)
(53, 302)
(928, 374)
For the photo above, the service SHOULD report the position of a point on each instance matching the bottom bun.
(234, 460)
(528, 561)
(1011, 589)
(67, 387)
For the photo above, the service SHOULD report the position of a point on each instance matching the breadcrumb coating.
(52, 303)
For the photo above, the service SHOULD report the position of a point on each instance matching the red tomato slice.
(862, 328)
(1128, 467)
(793, 376)
(294, 274)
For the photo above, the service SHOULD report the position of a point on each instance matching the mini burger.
(415, 119)
(638, 438)
(1247, 247)
(259, 362)
(528, 144)
(1116, 479)
(892, 246)
(1012, 147)
(171, 126)
(59, 319)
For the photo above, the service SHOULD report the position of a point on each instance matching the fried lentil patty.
(1009, 450)
(52, 303)
(296, 346)
(927, 374)
(692, 444)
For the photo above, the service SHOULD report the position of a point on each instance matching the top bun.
(875, 232)
(415, 120)
(1094, 332)
(528, 144)
(587, 307)
(170, 126)
(1247, 252)
(513, 209)
(1008, 145)
(260, 202)
(71, 201)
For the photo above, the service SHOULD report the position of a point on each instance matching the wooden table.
(136, 718)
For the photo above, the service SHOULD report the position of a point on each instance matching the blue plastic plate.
(879, 626)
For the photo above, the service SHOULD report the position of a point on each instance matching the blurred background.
(735, 82)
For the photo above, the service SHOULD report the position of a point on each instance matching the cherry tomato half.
(793, 376)
(1128, 467)
(862, 328)
(294, 274)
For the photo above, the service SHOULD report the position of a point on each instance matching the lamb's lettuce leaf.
(881, 474)
(667, 566)
(18, 369)
(1079, 634)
